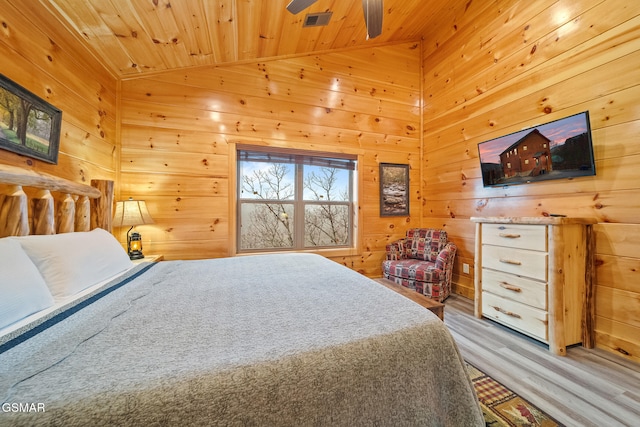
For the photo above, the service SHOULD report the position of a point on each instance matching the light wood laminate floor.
(585, 388)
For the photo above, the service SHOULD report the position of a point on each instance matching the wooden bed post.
(14, 214)
(42, 210)
(66, 215)
(102, 208)
(83, 214)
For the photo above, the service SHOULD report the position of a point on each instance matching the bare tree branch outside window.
(326, 224)
(268, 224)
(272, 212)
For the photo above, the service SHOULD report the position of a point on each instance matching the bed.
(273, 339)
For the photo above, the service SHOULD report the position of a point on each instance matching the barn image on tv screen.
(558, 149)
(529, 156)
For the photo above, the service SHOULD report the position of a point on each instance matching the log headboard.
(38, 203)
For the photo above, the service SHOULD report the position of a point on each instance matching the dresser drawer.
(528, 320)
(520, 236)
(522, 262)
(516, 288)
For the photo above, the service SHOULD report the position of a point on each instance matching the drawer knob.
(508, 313)
(510, 287)
(510, 261)
(509, 235)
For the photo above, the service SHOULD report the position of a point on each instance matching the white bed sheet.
(61, 304)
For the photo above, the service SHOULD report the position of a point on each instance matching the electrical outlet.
(465, 268)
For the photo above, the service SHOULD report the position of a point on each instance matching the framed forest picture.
(29, 125)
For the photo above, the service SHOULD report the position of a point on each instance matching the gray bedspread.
(267, 340)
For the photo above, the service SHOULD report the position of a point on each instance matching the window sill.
(326, 252)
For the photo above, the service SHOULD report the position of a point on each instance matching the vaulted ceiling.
(133, 37)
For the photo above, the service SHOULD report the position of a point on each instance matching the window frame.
(355, 186)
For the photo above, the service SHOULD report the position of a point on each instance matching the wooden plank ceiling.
(134, 37)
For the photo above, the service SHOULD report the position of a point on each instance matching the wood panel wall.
(38, 54)
(180, 129)
(495, 69)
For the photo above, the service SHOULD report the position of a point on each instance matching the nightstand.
(148, 258)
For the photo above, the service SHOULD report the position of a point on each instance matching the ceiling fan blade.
(373, 17)
(297, 6)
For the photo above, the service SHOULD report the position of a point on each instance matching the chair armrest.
(395, 250)
(444, 260)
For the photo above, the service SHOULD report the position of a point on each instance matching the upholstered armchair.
(422, 261)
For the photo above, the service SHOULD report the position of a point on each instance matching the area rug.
(502, 407)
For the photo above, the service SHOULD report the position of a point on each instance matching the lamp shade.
(131, 212)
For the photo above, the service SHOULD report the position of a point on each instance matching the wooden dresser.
(534, 275)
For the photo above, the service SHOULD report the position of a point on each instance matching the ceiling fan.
(372, 14)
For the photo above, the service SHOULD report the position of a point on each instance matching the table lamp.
(132, 212)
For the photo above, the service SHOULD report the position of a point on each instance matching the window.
(294, 200)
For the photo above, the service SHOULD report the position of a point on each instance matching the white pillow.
(22, 288)
(71, 262)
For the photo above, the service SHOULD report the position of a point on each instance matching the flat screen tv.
(561, 149)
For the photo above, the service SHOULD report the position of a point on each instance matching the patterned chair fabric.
(422, 261)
